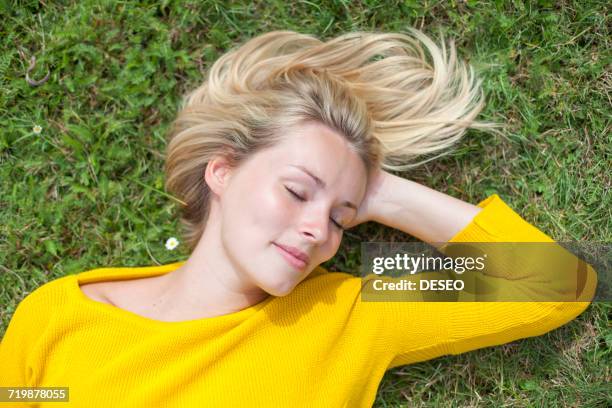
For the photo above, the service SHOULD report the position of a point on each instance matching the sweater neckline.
(124, 273)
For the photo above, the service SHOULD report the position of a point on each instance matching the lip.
(294, 256)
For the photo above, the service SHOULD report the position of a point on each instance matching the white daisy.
(171, 243)
(37, 129)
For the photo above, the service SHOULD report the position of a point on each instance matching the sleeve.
(418, 330)
(25, 329)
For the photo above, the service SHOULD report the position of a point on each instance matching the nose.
(315, 226)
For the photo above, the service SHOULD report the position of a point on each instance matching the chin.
(280, 290)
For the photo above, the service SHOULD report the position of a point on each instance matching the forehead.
(320, 148)
(323, 152)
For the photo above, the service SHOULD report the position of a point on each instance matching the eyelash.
(294, 194)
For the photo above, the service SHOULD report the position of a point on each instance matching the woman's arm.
(425, 325)
(420, 211)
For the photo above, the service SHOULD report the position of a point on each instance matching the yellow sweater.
(319, 346)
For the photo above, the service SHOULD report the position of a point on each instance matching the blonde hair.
(376, 89)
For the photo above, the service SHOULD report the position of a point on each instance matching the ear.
(217, 174)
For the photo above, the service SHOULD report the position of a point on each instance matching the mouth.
(291, 258)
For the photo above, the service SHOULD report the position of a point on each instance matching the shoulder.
(330, 286)
(336, 297)
(45, 297)
(35, 312)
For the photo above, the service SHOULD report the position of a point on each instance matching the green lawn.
(94, 173)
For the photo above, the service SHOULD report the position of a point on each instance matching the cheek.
(262, 209)
(332, 247)
(270, 213)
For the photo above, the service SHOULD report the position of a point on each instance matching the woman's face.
(271, 201)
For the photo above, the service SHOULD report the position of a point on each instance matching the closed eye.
(295, 194)
(300, 198)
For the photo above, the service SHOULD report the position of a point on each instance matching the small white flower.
(171, 243)
(37, 129)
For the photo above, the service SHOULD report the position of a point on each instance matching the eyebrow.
(322, 184)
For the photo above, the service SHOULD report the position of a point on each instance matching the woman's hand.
(364, 213)
(413, 208)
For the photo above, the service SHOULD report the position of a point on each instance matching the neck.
(208, 283)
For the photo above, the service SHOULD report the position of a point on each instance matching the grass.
(117, 70)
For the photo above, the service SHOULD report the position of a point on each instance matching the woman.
(284, 146)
